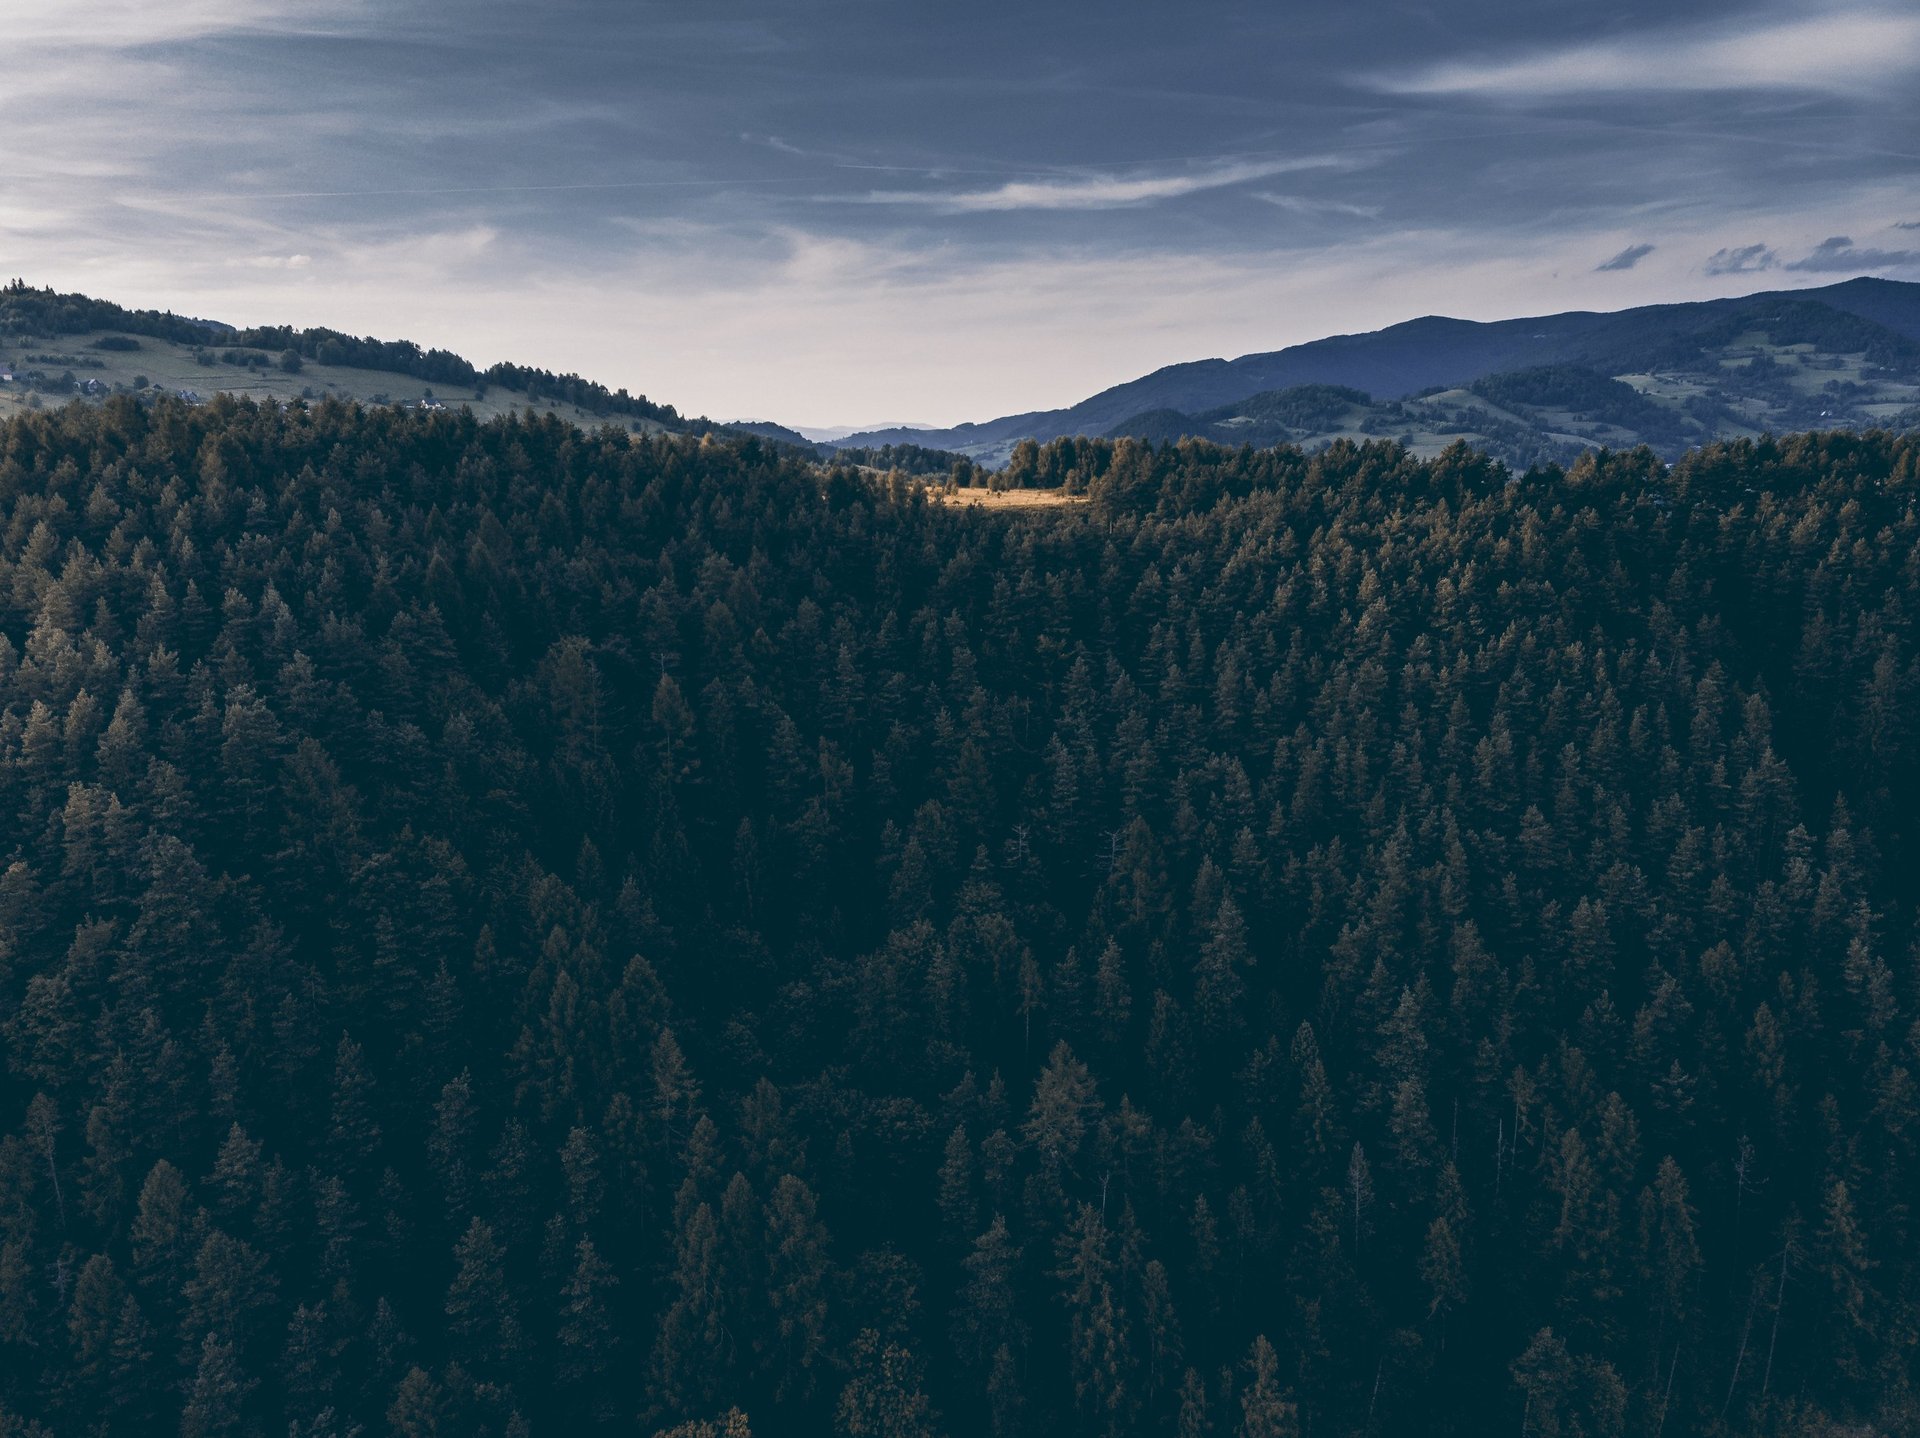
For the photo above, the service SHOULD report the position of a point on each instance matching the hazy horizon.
(792, 213)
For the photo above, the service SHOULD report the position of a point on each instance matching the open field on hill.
(1009, 498)
(50, 367)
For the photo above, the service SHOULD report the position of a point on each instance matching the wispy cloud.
(275, 262)
(1305, 205)
(1838, 254)
(1746, 260)
(127, 24)
(1625, 260)
(1105, 191)
(1841, 50)
(774, 142)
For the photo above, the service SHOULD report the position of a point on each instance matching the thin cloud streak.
(1839, 255)
(1625, 260)
(132, 24)
(1840, 53)
(1103, 192)
(1741, 260)
(425, 190)
(1306, 205)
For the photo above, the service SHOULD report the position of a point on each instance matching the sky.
(850, 212)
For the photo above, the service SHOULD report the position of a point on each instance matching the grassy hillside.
(57, 347)
(48, 374)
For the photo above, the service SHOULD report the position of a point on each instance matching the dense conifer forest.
(508, 930)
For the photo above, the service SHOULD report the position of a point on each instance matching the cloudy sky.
(851, 211)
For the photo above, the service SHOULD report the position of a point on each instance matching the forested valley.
(513, 930)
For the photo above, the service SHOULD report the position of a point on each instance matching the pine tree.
(1099, 1345)
(1442, 1271)
(687, 1348)
(986, 1315)
(1841, 1255)
(128, 1361)
(1194, 1420)
(159, 1232)
(798, 1275)
(588, 1336)
(1063, 1100)
(352, 1132)
(1672, 1251)
(884, 1397)
(103, 1172)
(1219, 988)
(1006, 1403)
(1265, 1412)
(482, 1318)
(959, 1210)
(98, 1296)
(449, 1145)
(415, 1411)
(1113, 999)
(230, 1286)
(217, 1397)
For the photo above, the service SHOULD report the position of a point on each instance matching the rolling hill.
(1846, 355)
(56, 347)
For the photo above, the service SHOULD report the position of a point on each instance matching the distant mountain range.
(1846, 355)
(1526, 390)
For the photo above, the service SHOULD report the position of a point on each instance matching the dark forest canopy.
(519, 931)
(908, 459)
(1576, 388)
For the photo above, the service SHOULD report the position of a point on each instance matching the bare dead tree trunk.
(1666, 1398)
(1746, 1329)
(53, 1172)
(1742, 1167)
(1499, 1156)
(43, 1129)
(1359, 1181)
(1779, 1300)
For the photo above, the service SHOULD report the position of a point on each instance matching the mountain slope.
(1876, 318)
(1886, 302)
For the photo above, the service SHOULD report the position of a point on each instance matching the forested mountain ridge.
(1840, 356)
(511, 929)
